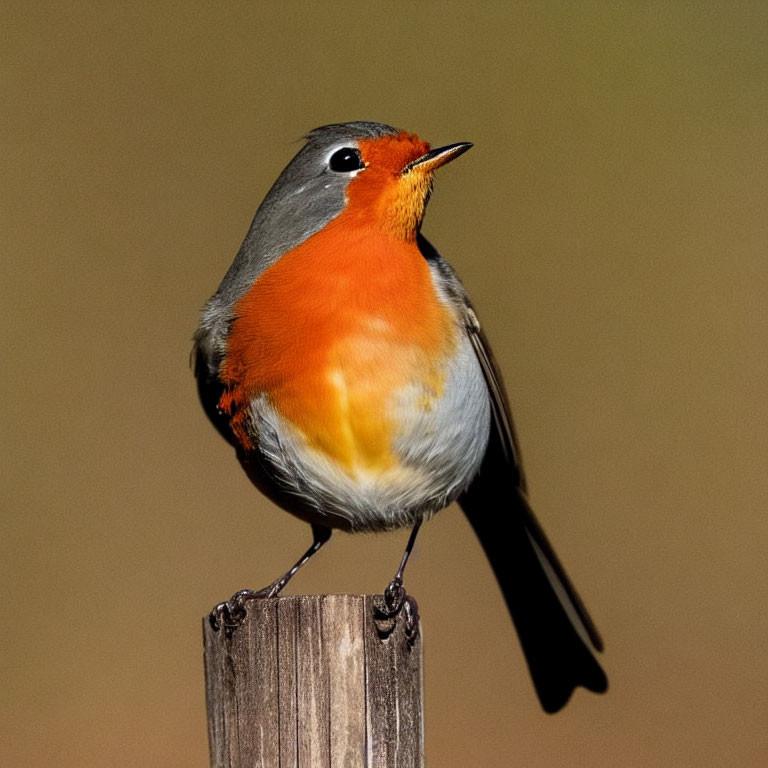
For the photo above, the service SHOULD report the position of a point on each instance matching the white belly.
(439, 445)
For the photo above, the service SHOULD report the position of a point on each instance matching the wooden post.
(315, 681)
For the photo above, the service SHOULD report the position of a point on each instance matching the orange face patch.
(381, 195)
(390, 154)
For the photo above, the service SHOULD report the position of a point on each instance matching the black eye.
(346, 160)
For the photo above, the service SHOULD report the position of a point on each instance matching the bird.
(343, 360)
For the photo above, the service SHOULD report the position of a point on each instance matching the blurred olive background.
(611, 224)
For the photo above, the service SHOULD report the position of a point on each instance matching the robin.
(343, 360)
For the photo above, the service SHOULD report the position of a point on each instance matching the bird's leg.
(231, 613)
(394, 594)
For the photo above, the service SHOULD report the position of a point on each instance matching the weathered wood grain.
(313, 681)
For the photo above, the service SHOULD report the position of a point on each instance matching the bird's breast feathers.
(347, 371)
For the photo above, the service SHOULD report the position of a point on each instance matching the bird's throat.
(401, 207)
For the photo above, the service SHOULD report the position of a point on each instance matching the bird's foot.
(394, 596)
(230, 614)
(395, 602)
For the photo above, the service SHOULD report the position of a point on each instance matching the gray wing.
(501, 412)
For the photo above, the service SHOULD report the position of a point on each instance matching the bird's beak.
(437, 157)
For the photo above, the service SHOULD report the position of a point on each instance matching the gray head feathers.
(354, 131)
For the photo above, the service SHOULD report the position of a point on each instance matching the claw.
(411, 613)
(393, 604)
(231, 614)
(394, 596)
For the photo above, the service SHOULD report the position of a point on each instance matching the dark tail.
(555, 630)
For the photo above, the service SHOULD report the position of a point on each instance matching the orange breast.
(331, 334)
